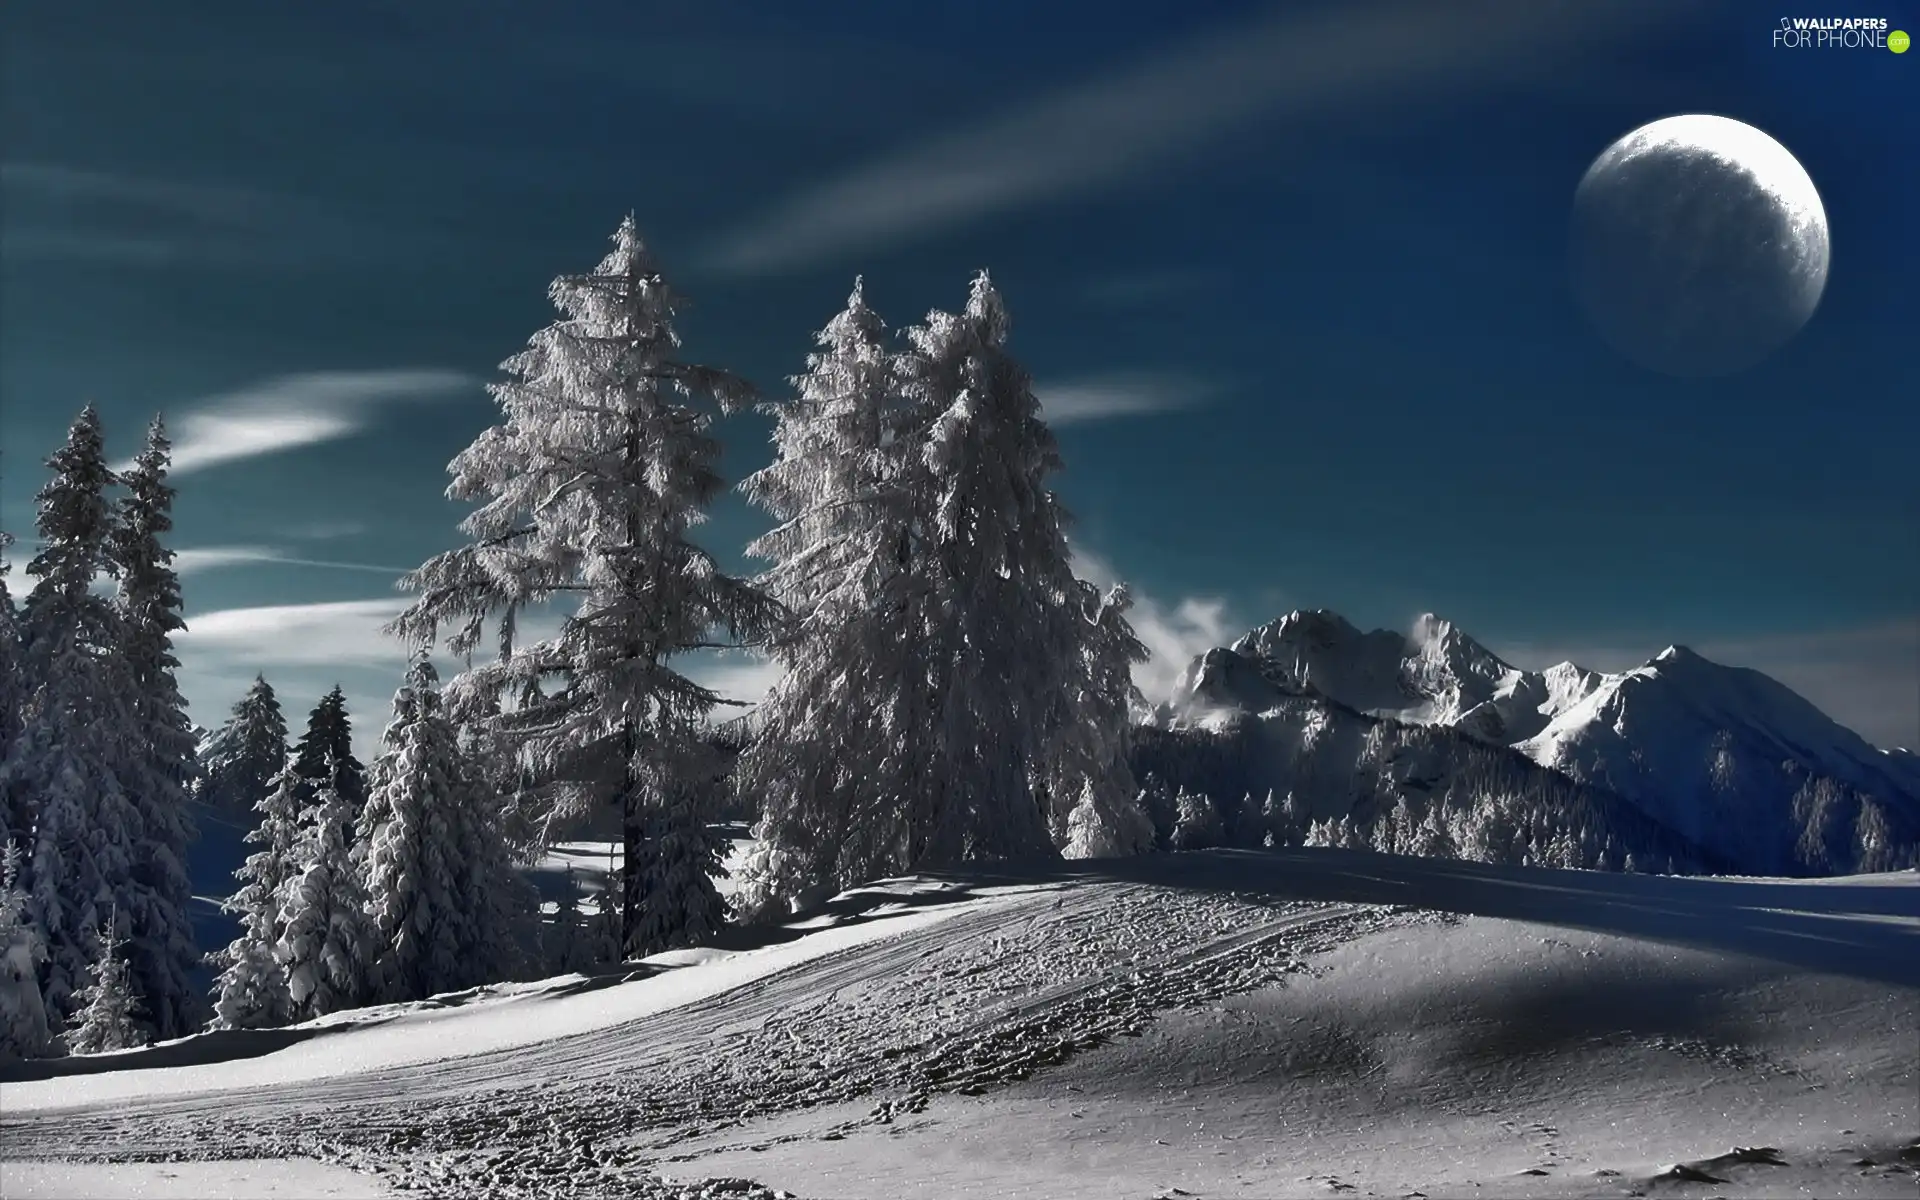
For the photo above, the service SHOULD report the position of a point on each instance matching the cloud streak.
(198, 559)
(59, 212)
(292, 411)
(1288, 66)
(1174, 633)
(67, 185)
(343, 633)
(1075, 402)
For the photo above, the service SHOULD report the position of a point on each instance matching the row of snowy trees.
(96, 758)
(920, 598)
(1492, 826)
(383, 885)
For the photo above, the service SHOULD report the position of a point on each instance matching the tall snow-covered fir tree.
(444, 899)
(251, 992)
(1008, 633)
(109, 1015)
(24, 1032)
(588, 491)
(324, 754)
(326, 939)
(77, 732)
(936, 614)
(14, 826)
(829, 771)
(243, 755)
(161, 761)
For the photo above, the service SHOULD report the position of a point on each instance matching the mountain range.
(1724, 759)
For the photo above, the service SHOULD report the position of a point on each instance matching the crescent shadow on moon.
(1699, 246)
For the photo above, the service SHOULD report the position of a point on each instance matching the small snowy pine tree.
(327, 943)
(324, 754)
(443, 897)
(251, 992)
(1198, 827)
(108, 1017)
(1097, 830)
(243, 755)
(681, 906)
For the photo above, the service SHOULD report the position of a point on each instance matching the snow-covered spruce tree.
(1248, 828)
(161, 761)
(588, 492)
(243, 755)
(24, 1032)
(832, 766)
(926, 565)
(1097, 829)
(326, 943)
(1433, 839)
(251, 992)
(681, 858)
(14, 691)
(443, 897)
(998, 614)
(324, 754)
(109, 1016)
(76, 732)
(1198, 826)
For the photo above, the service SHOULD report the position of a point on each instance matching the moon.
(1699, 246)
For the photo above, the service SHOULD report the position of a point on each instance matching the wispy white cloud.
(1174, 632)
(303, 650)
(197, 559)
(1071, 402)
(297, 410)
(339, 633)
(1288, 66)
(67, 184)
(62, 212)
(326, 531)
(1151, 287)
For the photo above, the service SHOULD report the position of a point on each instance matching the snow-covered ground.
(1225, 1024)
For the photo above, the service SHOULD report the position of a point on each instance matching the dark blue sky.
(1322, 244)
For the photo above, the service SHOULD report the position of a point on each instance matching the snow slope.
(1724, 757)
(1487, 1058)
(1218, 1021)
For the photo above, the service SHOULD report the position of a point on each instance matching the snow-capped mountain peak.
(1725, 756)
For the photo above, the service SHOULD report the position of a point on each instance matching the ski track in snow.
(1011, 983)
